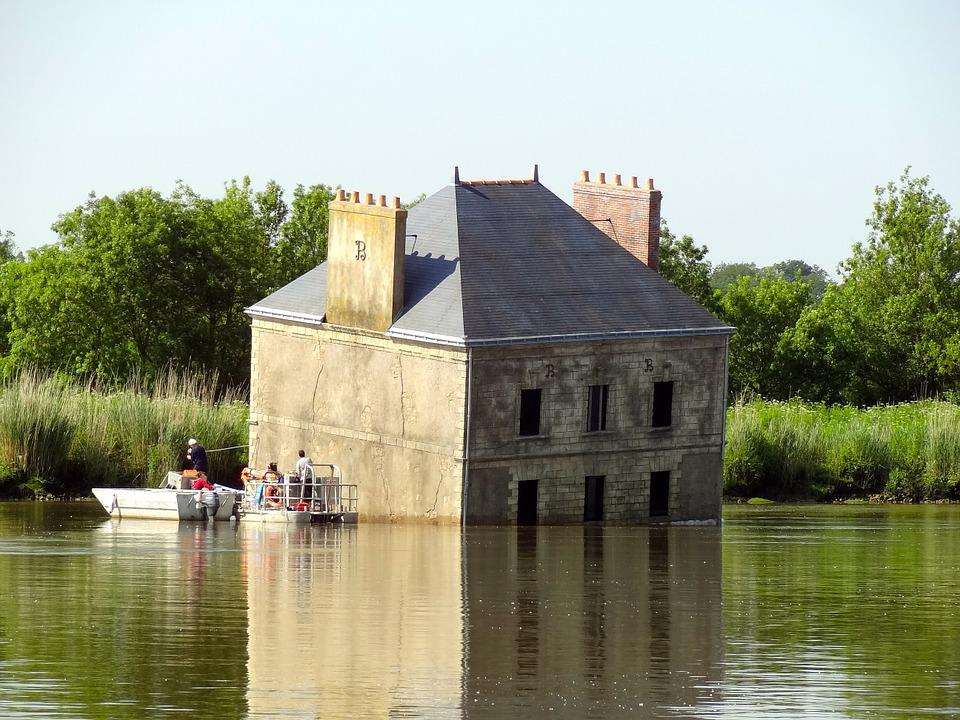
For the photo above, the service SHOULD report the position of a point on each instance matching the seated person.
(201, 483)
(273, 497)
(247, 479)
(271, 474)
(273, 480)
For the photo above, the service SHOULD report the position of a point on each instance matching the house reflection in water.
(354, 621)
(417, 621)
(596, 622)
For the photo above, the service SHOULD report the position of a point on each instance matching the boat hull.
(277, 516)
(161, 504)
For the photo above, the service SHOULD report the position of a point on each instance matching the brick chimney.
(365, 261)
(629, 214)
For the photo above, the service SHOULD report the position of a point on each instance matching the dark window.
(662, 404)
(597, 408)
(593, 497)
(660, 493)
(527, 502)
(530, 412)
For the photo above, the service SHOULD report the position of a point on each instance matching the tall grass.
(906, 452)
(64, 438)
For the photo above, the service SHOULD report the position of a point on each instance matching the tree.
(139, 282)
(303, 238)
(764, 312)
(8, 247)
(728, 273)
(815, 276)
(892, 329)
(685, 265)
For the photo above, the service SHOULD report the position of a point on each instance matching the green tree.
(8, 247)
(728, 273)
(685, 265)
(891, 331)
(764, 311)
(303, 238)
(139, 282)
(815, 276)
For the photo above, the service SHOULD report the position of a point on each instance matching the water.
(784, 612)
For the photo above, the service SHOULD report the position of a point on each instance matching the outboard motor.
(210, 501)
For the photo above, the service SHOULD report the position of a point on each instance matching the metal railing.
(317, 493)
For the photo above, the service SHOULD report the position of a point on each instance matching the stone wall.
(391, 414)
(625, 454)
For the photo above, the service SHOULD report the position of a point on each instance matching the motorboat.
(173, 500)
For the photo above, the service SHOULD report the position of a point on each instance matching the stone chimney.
(629, 214)
(365, 261)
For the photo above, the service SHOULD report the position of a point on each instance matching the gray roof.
(513, 263)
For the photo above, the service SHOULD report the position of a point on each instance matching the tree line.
(140, 283)
(887, 331)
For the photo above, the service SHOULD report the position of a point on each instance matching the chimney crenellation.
(627, 213)
(354, 197)
(617, 181)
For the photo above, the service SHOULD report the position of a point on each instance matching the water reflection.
(120, 620)
(815, 612)
(590, 622)
(353, 621)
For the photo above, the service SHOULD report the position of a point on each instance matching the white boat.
(174, 500)
(322, 498)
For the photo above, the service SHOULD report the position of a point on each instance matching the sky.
(766, 125)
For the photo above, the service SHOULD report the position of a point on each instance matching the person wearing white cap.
(197, 456)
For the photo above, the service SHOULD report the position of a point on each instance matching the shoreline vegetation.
(59, 438)
(909, 452)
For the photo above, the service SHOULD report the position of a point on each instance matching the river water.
(783, 612)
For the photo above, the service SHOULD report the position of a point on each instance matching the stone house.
(494, 355)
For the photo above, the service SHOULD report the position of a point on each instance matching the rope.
(232, 447)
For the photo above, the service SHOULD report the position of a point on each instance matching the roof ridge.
(498, 182)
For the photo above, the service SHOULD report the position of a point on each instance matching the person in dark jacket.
(197, 456)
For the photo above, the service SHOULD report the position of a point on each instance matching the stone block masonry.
(625, 453)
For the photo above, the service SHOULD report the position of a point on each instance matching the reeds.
(61, 437)
(904, 452)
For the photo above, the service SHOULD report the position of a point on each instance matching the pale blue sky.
(766, 125)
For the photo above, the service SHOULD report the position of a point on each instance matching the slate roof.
(506, 263)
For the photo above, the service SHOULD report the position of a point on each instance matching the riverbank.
(900, 453)
(61, 438)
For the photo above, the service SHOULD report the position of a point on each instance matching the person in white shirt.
(304, 472)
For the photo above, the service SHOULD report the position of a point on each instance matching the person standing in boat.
(304, 471)
(197, 456)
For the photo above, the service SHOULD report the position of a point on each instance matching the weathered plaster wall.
(365, 264)
(564, 453)
(390, 414)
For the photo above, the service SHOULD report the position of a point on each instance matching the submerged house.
(494, 355)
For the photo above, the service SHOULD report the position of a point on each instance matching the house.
(494, 355)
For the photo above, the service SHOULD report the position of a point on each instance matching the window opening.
(530, 412)
(662, 404)
(593, 498)
(660, 493)
(527, 502)
(597, 407)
